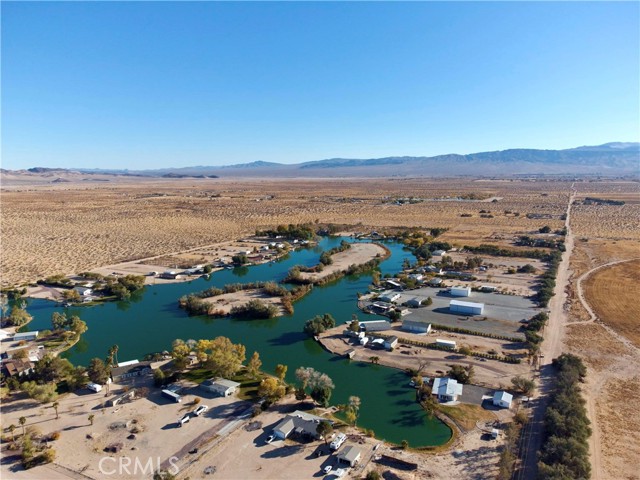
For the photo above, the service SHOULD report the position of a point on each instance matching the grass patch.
(466, 415)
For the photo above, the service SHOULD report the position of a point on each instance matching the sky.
(144, 85)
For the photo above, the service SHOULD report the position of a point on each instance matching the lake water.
(152, 320)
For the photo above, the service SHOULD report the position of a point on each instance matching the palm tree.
(12, 427)
(91, 417)
(22, 421)
(55, 407)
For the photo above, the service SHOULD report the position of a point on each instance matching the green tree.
(461, 374)
(98, 371)
(43, 393)
(373, 475)
(427, 302)
(59, 321)
(158, 377)
(18, 316)
(354, 406)
(52, 369)
(324, 429)
(22, 421)
(281, 371)
(523, 385)
(77, 326)
(253, 367)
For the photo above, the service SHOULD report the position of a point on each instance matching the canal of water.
(151, 320)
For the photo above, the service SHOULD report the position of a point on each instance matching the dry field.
(613, 361)
(606, 289)
(73, 227)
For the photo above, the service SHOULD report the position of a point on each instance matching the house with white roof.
(502, 399)
(446, 389)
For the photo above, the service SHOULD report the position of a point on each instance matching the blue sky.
(148, 85)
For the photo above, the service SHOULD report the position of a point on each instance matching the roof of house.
(350, 453)
(129, 368)
(300, 421)
(502, 396)
(25, 334)
(460, 303)
(375, 325)
(223, 382)
(17, 366)
(392, 339)
(285, 425)
(446, 387)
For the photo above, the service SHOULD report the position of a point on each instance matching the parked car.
(200, 410)
(270, 438)
(327, 469)
(184, 420)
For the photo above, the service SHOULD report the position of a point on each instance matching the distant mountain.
(616, 158)
(256, 164)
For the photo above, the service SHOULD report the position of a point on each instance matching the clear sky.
(147, 85)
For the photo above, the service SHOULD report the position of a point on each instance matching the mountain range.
(610, 159)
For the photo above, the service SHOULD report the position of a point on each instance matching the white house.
(446, 343)
(389, 297)
(4, 334)
(502, 399)
(446, 389)
(414, 303)
(350, 455)
(375, 326)
(438, 253)
(220, 386)
(390, 343)
(416, 276)
(469, 308)
(435, 282)
(393, 283)
(460, 291)
(417, 326)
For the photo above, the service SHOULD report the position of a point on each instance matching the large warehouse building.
(469, 308)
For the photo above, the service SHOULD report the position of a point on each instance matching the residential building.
(18, 367)
(446, 389)
(375, 326)
(502, 399)
(220, 386)
(350, 455)
(127, 370)
(25, 336)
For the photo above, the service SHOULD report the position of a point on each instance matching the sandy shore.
(225, 302)
(358, 254)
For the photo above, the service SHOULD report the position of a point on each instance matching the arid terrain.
(604, 326)
(73, 227)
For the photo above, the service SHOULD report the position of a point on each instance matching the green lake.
(151, 320)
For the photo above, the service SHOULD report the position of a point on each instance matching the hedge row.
(565, 451)
(447, 328)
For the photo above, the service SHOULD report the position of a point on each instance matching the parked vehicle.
(200, 410)
(172, 396)
(94, 387)
(184, 420)
(327, 469)
(338, 441)
(270, 438)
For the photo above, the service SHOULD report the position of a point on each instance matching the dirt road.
(551, 348)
